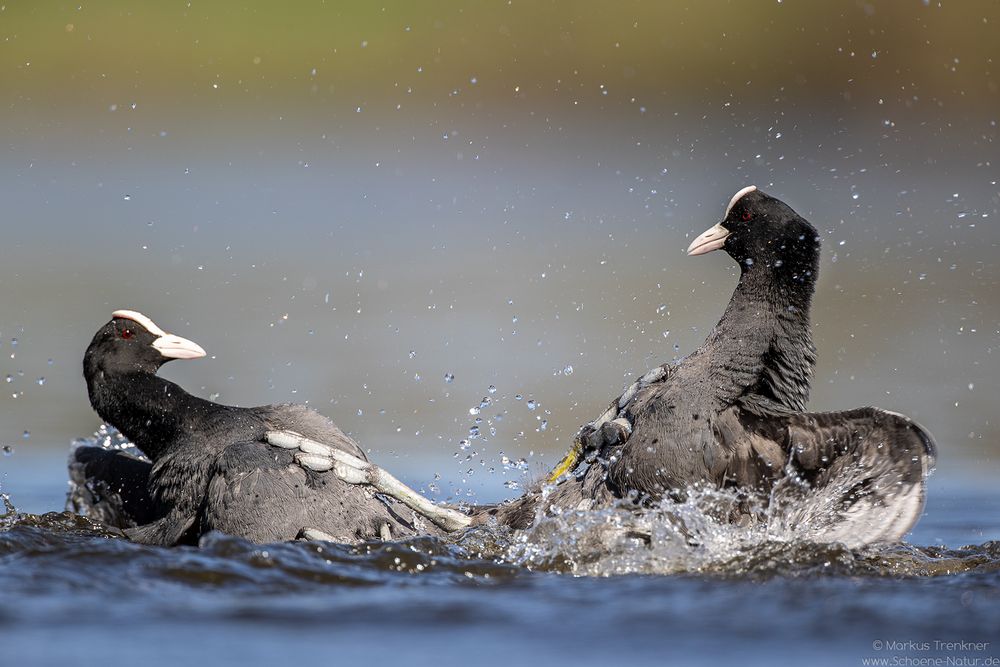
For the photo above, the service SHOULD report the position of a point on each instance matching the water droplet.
(449, 377)
(412, 354)
(517, 397)
(511, 484)
(544, 425)
(568, 370)
(127, 197)
(474, 411)
(464, 444)
(492, 389)
(7, 450)
(26, 435)
(531, 404)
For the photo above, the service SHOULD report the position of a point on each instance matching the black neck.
(146, 409)
(761, 351)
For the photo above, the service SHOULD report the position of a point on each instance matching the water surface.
(483, 597)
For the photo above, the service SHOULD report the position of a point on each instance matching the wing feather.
(855, 477)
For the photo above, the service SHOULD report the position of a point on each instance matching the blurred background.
(407, 213)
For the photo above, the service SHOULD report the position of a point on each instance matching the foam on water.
(797, 530)
(52, 546)
(695, 536)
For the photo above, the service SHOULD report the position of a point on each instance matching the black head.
(130, 343)
(764, 233)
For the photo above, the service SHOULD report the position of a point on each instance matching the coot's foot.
(319, 457)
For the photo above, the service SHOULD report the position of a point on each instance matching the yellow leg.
(568, 464)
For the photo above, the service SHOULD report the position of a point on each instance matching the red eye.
(746, 216)
(126, 334)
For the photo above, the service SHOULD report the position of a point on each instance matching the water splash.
(603, 543)
(96, 500)
(776, 535)
(9, 515)
(797, 530)
(108, 437)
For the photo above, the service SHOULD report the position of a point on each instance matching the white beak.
(711, 239)
(175, 347)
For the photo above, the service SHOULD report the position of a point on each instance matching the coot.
(211, 465)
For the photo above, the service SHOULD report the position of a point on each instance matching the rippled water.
(72, 589)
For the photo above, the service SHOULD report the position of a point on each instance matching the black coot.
(732, 414)
(212, 468)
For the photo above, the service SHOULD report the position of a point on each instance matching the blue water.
(72, 594)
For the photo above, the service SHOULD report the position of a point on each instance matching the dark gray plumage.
(111, 486)
(732, 414)
(211, 467)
